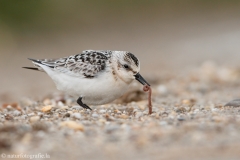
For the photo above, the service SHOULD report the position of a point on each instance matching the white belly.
(94, 91)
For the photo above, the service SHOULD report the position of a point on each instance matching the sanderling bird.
(92, 77)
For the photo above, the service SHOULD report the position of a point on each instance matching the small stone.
(189, 101)
(95, 115)
(14, 105)
(8, 117)
(23, 117)
(102, 120)
(67, 115)
(17, 113)
(181, 110)
(142, 105)
(102, 111)
(10, 106)
(64, 107)
(31, 114)
(60, 104)
(70, 112)
(138, 114)
(5, 105)
(163, 114)
(172, 115)
(123, 116)
(76, 115)
(46, 108)
(72, 125)
(76, 107)
(233, 103)
(215, 110)
(195, 111)
(181, 118)
(34, 119)
(40, 114)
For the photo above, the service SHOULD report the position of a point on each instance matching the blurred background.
(168, 36)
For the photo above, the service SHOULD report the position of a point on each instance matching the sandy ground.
(189, 121)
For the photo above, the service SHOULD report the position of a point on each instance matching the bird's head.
(127, 67)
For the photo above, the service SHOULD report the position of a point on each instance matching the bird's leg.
(79, 101)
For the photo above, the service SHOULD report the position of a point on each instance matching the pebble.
(102, 111)
(163, 114)
(67, 115)
(233, 103)
(76, 115)
(39, 114)
(60, 104)
(17, 113)
(123, 116)
(142, 105)
(64, 107)
(70, 112)
(138, 114)
(181, 118)
(189, 101)
(77, 107)
(46, 108)
(181, 109)
(23, 117)
(215, 109)
(31, 114)
(34, 119)
(95, 115)
(196, 111)
(117, 111)
(72, 125)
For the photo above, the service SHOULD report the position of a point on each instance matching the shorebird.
(93, 77)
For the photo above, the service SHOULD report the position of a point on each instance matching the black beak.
(140, 79)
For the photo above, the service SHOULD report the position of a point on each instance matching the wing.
(87, 64)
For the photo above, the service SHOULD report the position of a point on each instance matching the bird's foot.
(79, 101)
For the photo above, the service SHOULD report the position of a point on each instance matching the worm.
(148, 89)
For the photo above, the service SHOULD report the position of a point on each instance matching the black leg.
(79, 101)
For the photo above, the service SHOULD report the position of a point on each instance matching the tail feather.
(43, 62)
(33, 68)
(38, 64)
(35, 60)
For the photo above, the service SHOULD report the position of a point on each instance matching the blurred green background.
(167, 35)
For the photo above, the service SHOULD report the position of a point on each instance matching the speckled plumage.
(86, 64)
(96, 77)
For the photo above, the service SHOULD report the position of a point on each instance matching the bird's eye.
(125, 66)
